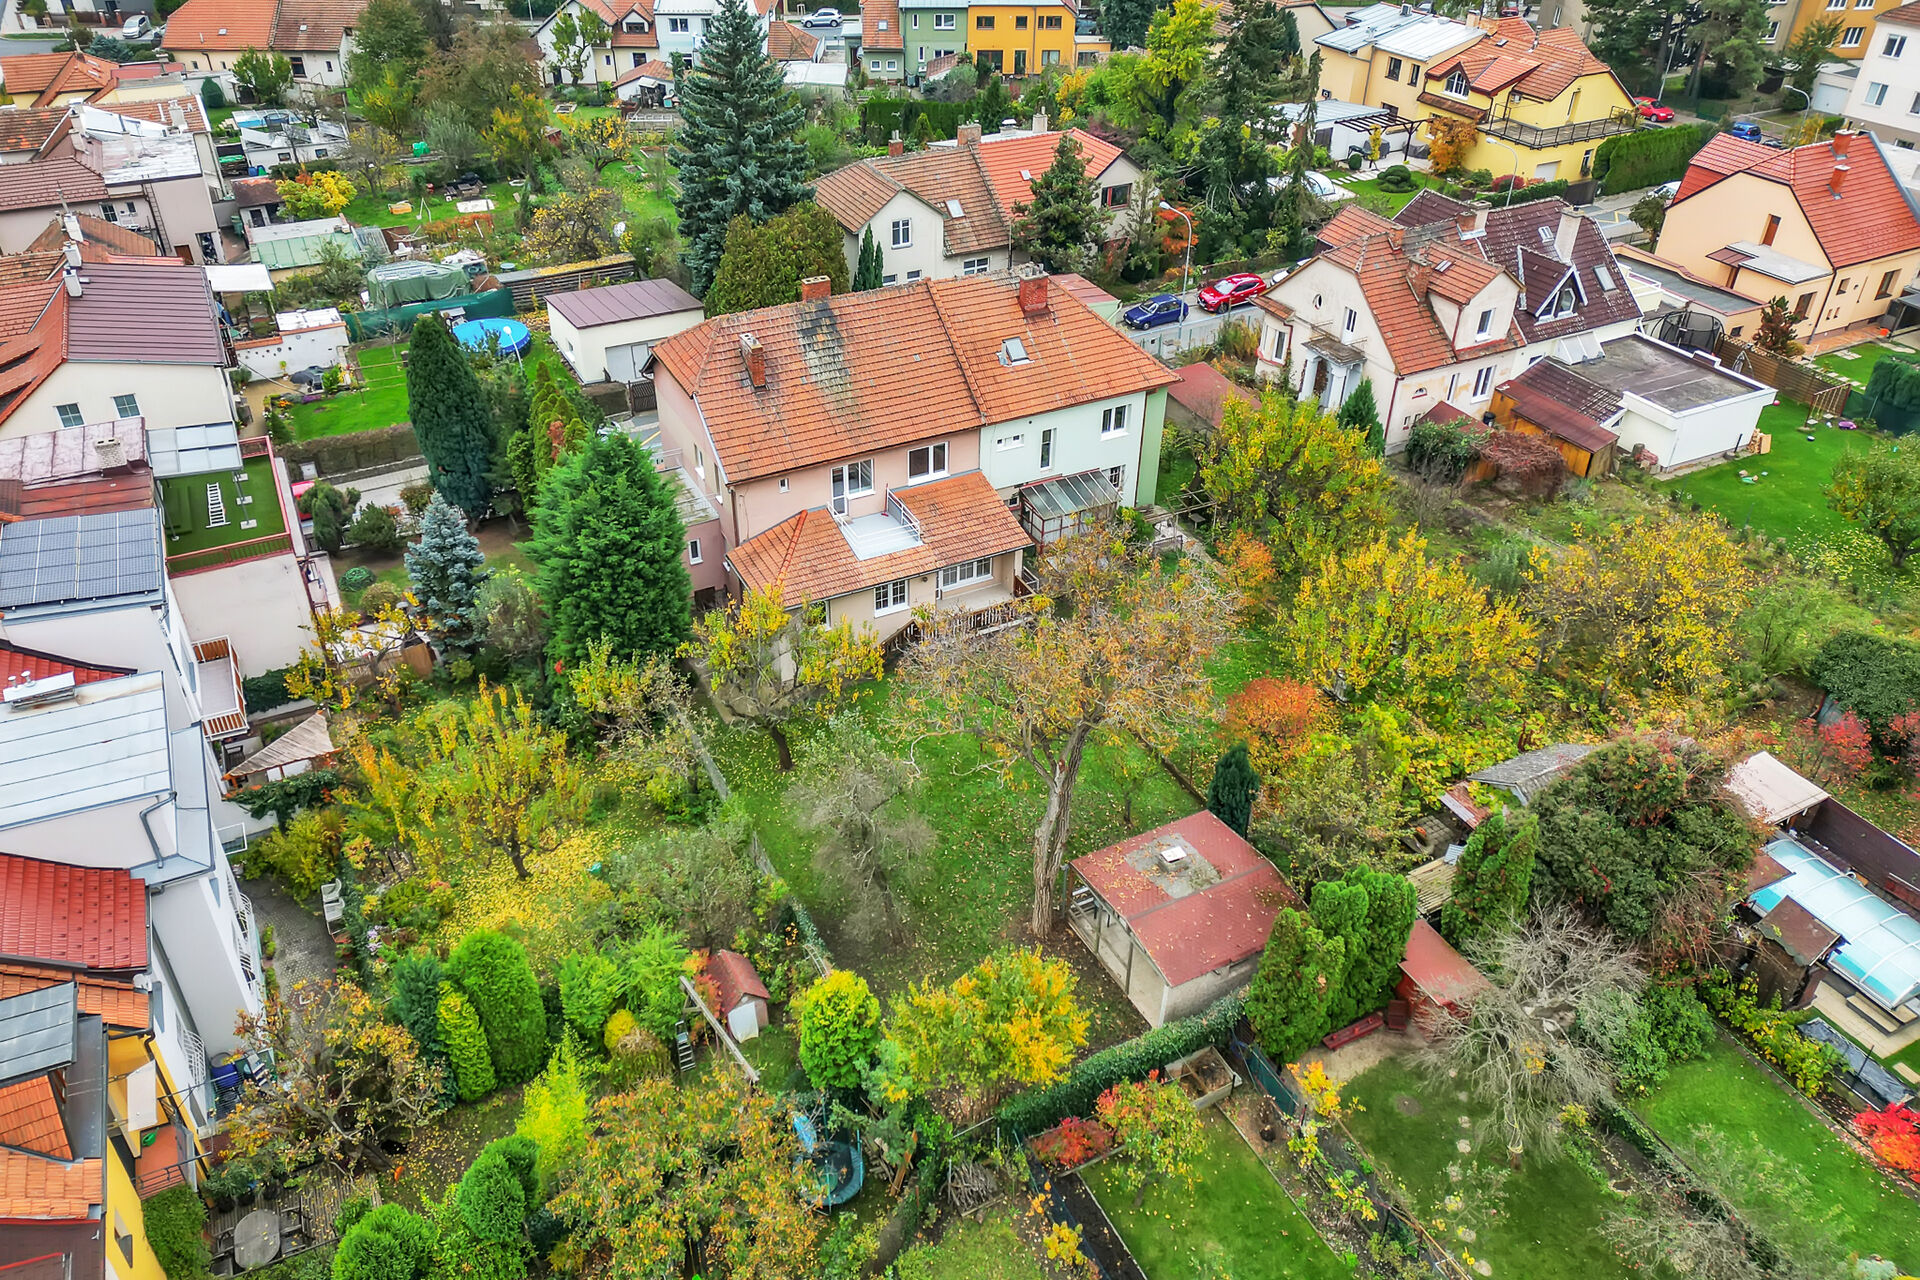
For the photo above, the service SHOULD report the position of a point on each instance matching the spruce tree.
(1063, 219)
(609, 545)
(1293, 214)
(1360, 415)
(739, 150)
(446, 569)
(868, 276)
(1493, 881)
(1234, 788)
(451, 416)
(1246, 79)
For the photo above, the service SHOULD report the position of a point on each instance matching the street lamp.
(1186, 267)
(1515, 152)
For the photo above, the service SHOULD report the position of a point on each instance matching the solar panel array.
(70, 558)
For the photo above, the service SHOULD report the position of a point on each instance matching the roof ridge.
(959, 356)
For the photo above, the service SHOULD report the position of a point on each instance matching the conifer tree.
(445, 568)
(1360, 415)
(1234, 788)
(1063, 219)
(738, 151)
(868, 276)
(609, 545)
(451, 416)
(1493, 881)
(1775, 333)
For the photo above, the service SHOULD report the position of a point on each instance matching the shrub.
(620, 1025)
(492, 1201)
(589, 987)
(1877, 677)
(636, 1051)
(268, 690)
(390, 1243)
(522, 1155)
(175, 1219)
(417, 497)
(492, 970)
(1442, 451)
(1132, 1060)
(553, 1114)
(376, 530)
(352, 1209)
(1774, 1035)
(1072, 1143)
(466, 1045)
(378, 597)
(358, 578)
(1894, 1135)
(1396, 177)
(1648, 157)
(304, 855)
(839, 1029)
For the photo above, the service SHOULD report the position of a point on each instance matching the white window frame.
(1458, 78)
(912, 276)
(933, 467)
(1353, 320)
(121, 411)
(890, 279)
(1773, 32)
(945, 22)
(1483, 383)
(1113, 422)
(1894, 47)
(693, 551)
(1483, 327)
(679, 26)
(890, 597)
(70, 415)
(966, 573)
(1853, 37)
(976, 266)
(1876, 95)
(1046, 448)
(1117, 477)
(843, 479)
(1014, 441)
(902, 233)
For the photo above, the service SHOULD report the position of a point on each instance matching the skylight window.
(1604, 276)
(953, 207)
(1026, 175)
(1013, 351)
(1546, 234)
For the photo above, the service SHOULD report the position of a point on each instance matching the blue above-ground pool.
(477, 335)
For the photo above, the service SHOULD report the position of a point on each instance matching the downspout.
(147, 827)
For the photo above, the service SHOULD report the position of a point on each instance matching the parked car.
(1273, 281)
(1228, 293)
(138, 27)
(1668, 190)
(1747, 131)
(1651, 110)
(829, 19)
(1326, 188)
(1160, 309)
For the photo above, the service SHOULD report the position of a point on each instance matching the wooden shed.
(1552, 399)
(1435, 977)
(743, 997)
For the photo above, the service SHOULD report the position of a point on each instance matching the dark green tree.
(1875, 676)
(389, 36)
(764, 262)
(1637, 37)
(390, 1243)
(451, 416)
(1732, 37)
(212, 96)
(1234, 788)
(610, 545)
(1810, 49)
(1288, 43)
(1296, 199)
(1125, 21)
(491, 1199)
(375, 530)
(1061, 223)
(739, 150)
(445, 568)
(1294, 988)
(491, 969)
(1492, 881)
(871, 266)
(1775, 331)
(1375, 943)
(1245, 79)
(1360, 415)
(436, 19)
(992, 103)
(331, 510)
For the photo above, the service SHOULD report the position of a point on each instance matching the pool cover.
(1880, 945)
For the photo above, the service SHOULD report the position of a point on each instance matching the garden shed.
(1772, 793)
(743, 997)
(1435, 977)
(1527, 775)
(1178, 915)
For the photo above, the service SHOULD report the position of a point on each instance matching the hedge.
(265, 691)
(1875, 676)
(1648, 157)
(175, 1221)
(1133, 1060)
(1552, 189)
(492, 970)
(356, 450)
(879, 117)
(466, 1045)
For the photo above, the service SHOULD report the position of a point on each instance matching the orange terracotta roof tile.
(115, 1003)
(160, 111)
(36, 1189)
(25, 128)
(1350, 223)
(51, 74)
(1391, 280)
(1005, 159)
(1871, 216)
(1724, 154)
(866, 371)
(29, 358)
(1540, 65)
(30, 1119)
(625, 39)
(880, 25)
(788, 43)
(1907, 15)
(94, 917)
(23, 297)
(221, 24)
(808, 558)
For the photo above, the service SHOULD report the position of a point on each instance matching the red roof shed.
(1433, 976)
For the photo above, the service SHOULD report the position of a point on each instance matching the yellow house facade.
(1785, 21)
(1825, 226)
(1022, 39)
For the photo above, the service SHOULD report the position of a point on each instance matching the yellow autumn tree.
(1009, 1021)
(1644, 607)
(317, 195)
(598, 139)
(1449, 139)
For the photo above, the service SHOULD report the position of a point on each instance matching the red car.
(1228, 293)
(1651, 110)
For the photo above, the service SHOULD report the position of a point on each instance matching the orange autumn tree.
(1276, 718)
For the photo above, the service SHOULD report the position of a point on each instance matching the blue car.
(1155, 311)
(1747, 131)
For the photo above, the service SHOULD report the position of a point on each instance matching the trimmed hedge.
(1549, 190)
(176, 1220)
(1875, 676)
(266, 691)
(1648, 157)
(492, 970)
(356, 450)
(879, 117)
(1074, 1096)
(466, 1045)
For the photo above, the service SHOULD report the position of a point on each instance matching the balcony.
(222, 703)
(883, 532)
(1530, 135)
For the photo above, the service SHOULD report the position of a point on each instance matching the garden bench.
(1348, 1034)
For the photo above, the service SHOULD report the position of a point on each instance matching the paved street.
(1199, 328)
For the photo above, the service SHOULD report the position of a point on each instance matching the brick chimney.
(969, 134)
(1033, 294)
(754, 356)
(1838, 180)
(895, 147)
(1474, 221)
(1419, 276)
(1564, 234)
(815, 288)
(1842, 143)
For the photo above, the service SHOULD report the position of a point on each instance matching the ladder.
(683, 1049)
(216, 506)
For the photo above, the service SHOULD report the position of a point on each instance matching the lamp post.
(1515, 153)
(1186, 267)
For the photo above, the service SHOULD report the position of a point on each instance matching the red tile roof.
(652, 69)
(32, 664)
(1204, 391)
(808, 559)
(46, 182)
(1437, 969)
(737, 979)
(1870, 217)
(51, 74)
(288, 26)
(25, 128)
(788, 43)
(1007, 160)
(30, 1118)
(880, 26)
(1906, 15)
(94, 917)
(866, 371)
(1201, 929)
(1558, 400)
(1391, 280)
(160, 111)
(24, 296)
(36, 1189)
(116, 1003)
(27, 359)
(1540, 65)
(1350, 223)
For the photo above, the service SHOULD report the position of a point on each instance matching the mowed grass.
(378, 399)
(989, 1250)
(1754, 1113)
(370, 210)
(1395, 200)
(191, 491)
(1236, 1215)
(1785, 500)
(1549, 1222)
(1856, 364)
(632, 180)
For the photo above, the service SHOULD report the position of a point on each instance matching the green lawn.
(1236, 1213)
(187, 501)
(630, 179)
(1784, 500)
(1725, 1090)
(370, 208)
(1395, 200)
(1548, 1220)
(379, 400)
(1855, 364)
(990, 1250)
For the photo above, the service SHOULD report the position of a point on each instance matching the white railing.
(898, 510)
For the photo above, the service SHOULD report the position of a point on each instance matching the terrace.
(1533, 135)
(216, 518)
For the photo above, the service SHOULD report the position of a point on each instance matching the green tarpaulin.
(394, 283)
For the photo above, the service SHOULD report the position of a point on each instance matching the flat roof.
(105, 745)
(240, 502)
(618, 303)
(1666, 376)
(1751, 255)
(1769, 791)
(1721, 300)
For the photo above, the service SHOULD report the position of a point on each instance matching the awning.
(308, 740)
(1335, 350)
(239, 277)
(1070, 495)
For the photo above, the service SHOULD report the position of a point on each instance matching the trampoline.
(478, 335)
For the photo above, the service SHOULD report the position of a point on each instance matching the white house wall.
(260, 605)
(1707, 432)
(298, 350)
(585, 350)
(199, 931)
(170, 395)
(927, 252)
(1077, 446)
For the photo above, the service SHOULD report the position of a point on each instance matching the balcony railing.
(233, 553)
(898, 510)
(1536, 136)
(231, 720)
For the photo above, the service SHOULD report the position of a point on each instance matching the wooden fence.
(1791, 379)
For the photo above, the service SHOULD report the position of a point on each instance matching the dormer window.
(1484, 325)
(1457, 84)
(1013, 351)
(1564, 303)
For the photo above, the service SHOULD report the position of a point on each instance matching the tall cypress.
(869, 273)
(451, 416)
(609, 545)
(1234, 789)
(739, 150)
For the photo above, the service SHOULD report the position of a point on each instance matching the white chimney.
(1564, 234)
(1039, 122)
(71, 278)
(178, 114)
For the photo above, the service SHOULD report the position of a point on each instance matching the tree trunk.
(1050, 837)
(781, 747)
(518, 855)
